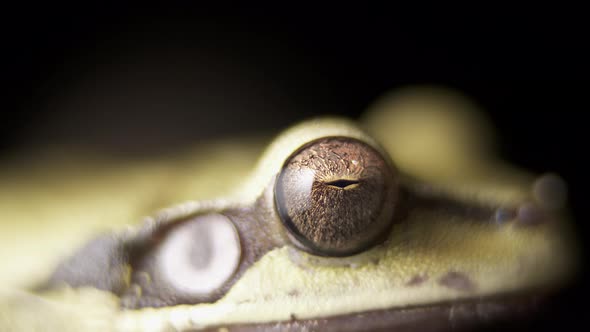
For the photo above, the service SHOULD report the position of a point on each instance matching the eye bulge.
(336, 196)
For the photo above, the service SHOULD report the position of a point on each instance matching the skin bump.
(504, 215)
(457, 281)
(417, 280)
(550, 191)
(530, 214)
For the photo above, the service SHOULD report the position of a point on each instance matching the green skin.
(469, 233)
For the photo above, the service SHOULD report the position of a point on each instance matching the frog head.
(402, 219)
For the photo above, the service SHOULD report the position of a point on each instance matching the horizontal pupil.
(342, 183)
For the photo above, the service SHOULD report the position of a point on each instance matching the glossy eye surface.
(336, 196)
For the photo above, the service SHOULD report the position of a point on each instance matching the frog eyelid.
(197, 258)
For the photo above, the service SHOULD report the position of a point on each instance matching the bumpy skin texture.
(457, 236)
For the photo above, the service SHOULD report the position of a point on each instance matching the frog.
(403, 219)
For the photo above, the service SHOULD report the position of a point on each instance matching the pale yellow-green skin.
(52, 206)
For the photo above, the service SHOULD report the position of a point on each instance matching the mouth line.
(505, 311)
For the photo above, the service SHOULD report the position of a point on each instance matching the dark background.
(136, 81)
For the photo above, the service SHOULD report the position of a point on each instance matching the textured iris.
(336, 196)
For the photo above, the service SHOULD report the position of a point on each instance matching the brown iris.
(336, 196)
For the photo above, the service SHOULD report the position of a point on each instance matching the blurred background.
(138, 81)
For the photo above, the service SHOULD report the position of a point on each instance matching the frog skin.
(454, 238)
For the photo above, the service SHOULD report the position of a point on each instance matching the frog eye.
(199, 256)
(336, 196)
